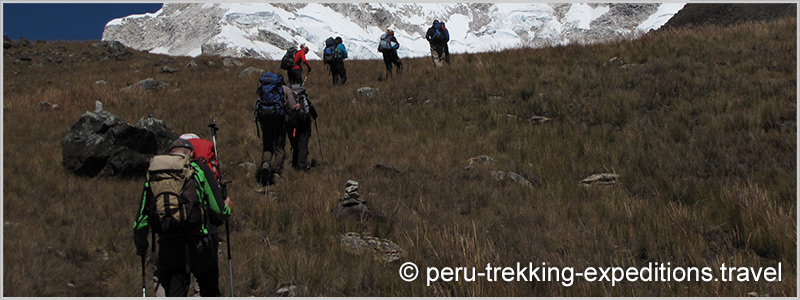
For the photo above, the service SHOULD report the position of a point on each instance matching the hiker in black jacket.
(438, 36)
(388, 46)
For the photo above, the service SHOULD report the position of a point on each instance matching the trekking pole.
(319, 141)
(144, 291)
(214, 130)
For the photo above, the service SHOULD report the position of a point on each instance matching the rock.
(98, 106)
(115, 49)
(366, 91)
(251, 70)
(45, 105)
(615, 61)
(101, 145)
(478, 160)
(383, 250)
(146, 84)
(351, 206)
(164, 135)
(539, 119)
(230, 62)
(168, 69)
(600, 179)
(191, 64)
(518, 178)
(100, 82)
(498, 175)
(211, 63)
(292, 291)
(387, 167)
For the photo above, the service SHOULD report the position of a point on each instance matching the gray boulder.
(164, 135)
(168, 69)
(100, 144)
(251, 70)
(382, 249)
(230, 62)
(366, 92)
(191, 64)
(146, 84)
(115, 49)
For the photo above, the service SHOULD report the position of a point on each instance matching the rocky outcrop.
(100, 144)
(382, 249)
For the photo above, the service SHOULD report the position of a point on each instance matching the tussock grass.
(700, 126)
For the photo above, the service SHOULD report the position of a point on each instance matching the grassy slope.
(702, 133)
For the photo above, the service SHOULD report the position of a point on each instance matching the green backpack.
(174, 211)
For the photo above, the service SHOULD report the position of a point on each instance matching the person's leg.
(205, 268)
(174, 274)
(280, 148)
(342, 72)
(292, 135)
(435, 56)
(387, 60)
(267, 149)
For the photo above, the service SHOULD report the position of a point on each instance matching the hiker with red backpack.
(181, 202)
(388, 46)
(296, 73)
(438, 36)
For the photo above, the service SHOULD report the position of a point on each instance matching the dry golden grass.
(702, 132)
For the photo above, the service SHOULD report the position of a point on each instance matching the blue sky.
(65, 22)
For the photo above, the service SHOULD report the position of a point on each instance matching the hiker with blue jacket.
(188, 245)
(337, 67)
(438, 36)
(388, 46)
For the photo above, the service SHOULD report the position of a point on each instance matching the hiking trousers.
(389, 58)
(439, 54)
(273, 141)
(298, 138)
(178, 257)
(338, 72)
(296, 76)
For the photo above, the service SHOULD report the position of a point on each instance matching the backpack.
(301, 117)
(386, 43)
(176, 208)
(439, 34)
(270, 96)
(287, 62)
(204, 153)
(329, 54)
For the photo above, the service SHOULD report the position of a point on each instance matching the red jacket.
(300, 56)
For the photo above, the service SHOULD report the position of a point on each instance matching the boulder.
(230, 62)
(382, 249)
(191, 64)
(366, 91)
(168, 69)
(600, 179)
(479, 160)
(115, 49)
(164, 135)
(100, 144)
(251, 70)
(146, 84)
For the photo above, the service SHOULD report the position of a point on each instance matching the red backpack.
(204, 152)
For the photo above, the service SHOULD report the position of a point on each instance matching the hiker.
(299, 112)
(296, 73)
(270, 114)
(204, 152)
(185, 245)
(438, 36)
(388, 45)
(337, 68)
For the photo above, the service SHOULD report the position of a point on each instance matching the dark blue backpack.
(270, 95)
(329, 54)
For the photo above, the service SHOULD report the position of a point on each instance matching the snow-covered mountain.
(266, 30)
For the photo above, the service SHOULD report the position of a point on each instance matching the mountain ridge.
(265, 30)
